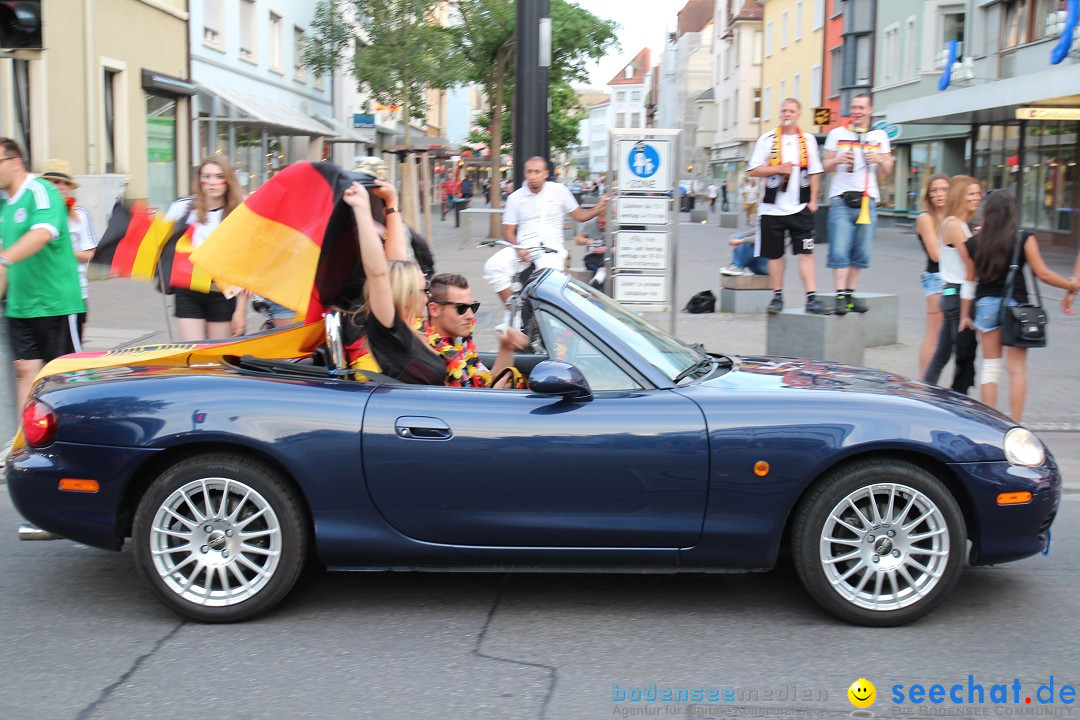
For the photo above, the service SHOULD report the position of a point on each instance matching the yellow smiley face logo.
(862, 693)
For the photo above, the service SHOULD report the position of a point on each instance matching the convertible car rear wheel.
(220, 537)
(879, 542)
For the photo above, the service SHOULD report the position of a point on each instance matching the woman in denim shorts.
(926, 227)
(992, 254)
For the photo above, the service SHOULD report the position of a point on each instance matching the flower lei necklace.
(463, 366)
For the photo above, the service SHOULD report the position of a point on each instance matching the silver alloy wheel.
(884, 546)
(215, 542)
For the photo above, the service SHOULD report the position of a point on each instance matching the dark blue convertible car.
(630, 450)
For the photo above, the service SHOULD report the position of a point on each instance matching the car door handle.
(422, 428)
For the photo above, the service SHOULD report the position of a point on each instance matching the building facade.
(908, 68)
(737, 87)
(693, 76)
(629, 89)
(107, 90)
(791, 66)
(257, 103)
(1017, 83)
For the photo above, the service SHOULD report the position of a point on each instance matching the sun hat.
(59, 170)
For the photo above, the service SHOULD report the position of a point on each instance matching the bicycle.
(514, 316)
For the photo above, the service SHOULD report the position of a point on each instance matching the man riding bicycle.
(534, 217)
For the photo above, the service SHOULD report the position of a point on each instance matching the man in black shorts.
(37, 268)
(788, 159)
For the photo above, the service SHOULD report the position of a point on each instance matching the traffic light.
(20, 24)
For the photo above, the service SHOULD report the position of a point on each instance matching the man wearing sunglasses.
(449, 330)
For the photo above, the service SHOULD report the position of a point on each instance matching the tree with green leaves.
(400, 50)
(485, 37)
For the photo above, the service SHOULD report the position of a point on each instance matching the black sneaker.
(841, 307)
(814, 307)
(856, 305)
(775, 305)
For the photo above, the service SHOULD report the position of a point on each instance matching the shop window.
(161, 150)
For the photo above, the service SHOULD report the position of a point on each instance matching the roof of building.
(750, 10)
(695, 15)
(639, 66)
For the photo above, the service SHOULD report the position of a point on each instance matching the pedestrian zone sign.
(644, 166)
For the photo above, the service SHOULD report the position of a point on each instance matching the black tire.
(247, 551)
(879, 570)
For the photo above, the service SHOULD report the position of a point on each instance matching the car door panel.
(512, 468)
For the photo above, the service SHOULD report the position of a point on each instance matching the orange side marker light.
(1014, 498)
(761, 468)
(79, 485)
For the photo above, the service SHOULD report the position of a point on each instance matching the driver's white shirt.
(539, 220)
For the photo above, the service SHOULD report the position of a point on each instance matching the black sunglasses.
(460, 307)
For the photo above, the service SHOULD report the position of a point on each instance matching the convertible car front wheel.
(879, 542)
(220, 537)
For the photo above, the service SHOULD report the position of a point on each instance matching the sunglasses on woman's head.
(460, 307)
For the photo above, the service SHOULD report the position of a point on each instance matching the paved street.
(82, 637)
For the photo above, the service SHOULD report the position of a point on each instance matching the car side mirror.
(554, 377)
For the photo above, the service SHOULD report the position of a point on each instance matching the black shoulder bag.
(1021, 325)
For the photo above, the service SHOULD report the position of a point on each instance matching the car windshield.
(664, 352)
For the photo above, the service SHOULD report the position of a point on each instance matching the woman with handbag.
(957, 270)
(1000, 255)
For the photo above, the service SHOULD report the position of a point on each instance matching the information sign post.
(645, 230)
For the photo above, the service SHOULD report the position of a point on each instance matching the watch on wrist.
(5, 261)
(390, 211)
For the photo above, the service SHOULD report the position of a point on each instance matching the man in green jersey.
(38, 268)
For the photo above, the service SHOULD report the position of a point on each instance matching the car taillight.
(39, 423)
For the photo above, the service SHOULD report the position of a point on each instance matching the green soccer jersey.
(47, 282)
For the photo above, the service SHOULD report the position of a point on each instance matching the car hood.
(774, 374)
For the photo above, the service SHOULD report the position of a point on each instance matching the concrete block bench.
(729, 219)
(796, 333)
(700, 214)
(744, 293)
(882, 320)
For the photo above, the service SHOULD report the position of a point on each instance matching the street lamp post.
(533, 70)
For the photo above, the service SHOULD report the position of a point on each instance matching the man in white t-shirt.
(854, 154)
(711, 192)
(787, 158)
(534, 217)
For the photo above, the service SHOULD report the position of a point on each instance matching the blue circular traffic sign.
(644, 160)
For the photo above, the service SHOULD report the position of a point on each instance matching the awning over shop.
(992, 102)
(260, 112)
(342, 133)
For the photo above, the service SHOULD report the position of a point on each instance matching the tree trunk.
(407, 193)
(495, 230)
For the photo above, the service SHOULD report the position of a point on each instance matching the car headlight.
(1023, 448)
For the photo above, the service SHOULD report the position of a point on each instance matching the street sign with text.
(639, 250)
(633, 210)
(644, 165)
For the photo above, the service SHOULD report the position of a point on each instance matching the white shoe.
(732, 270)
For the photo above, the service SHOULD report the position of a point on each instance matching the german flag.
(175, 268)
(132, 242)
(273, 244)
(294, 242)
